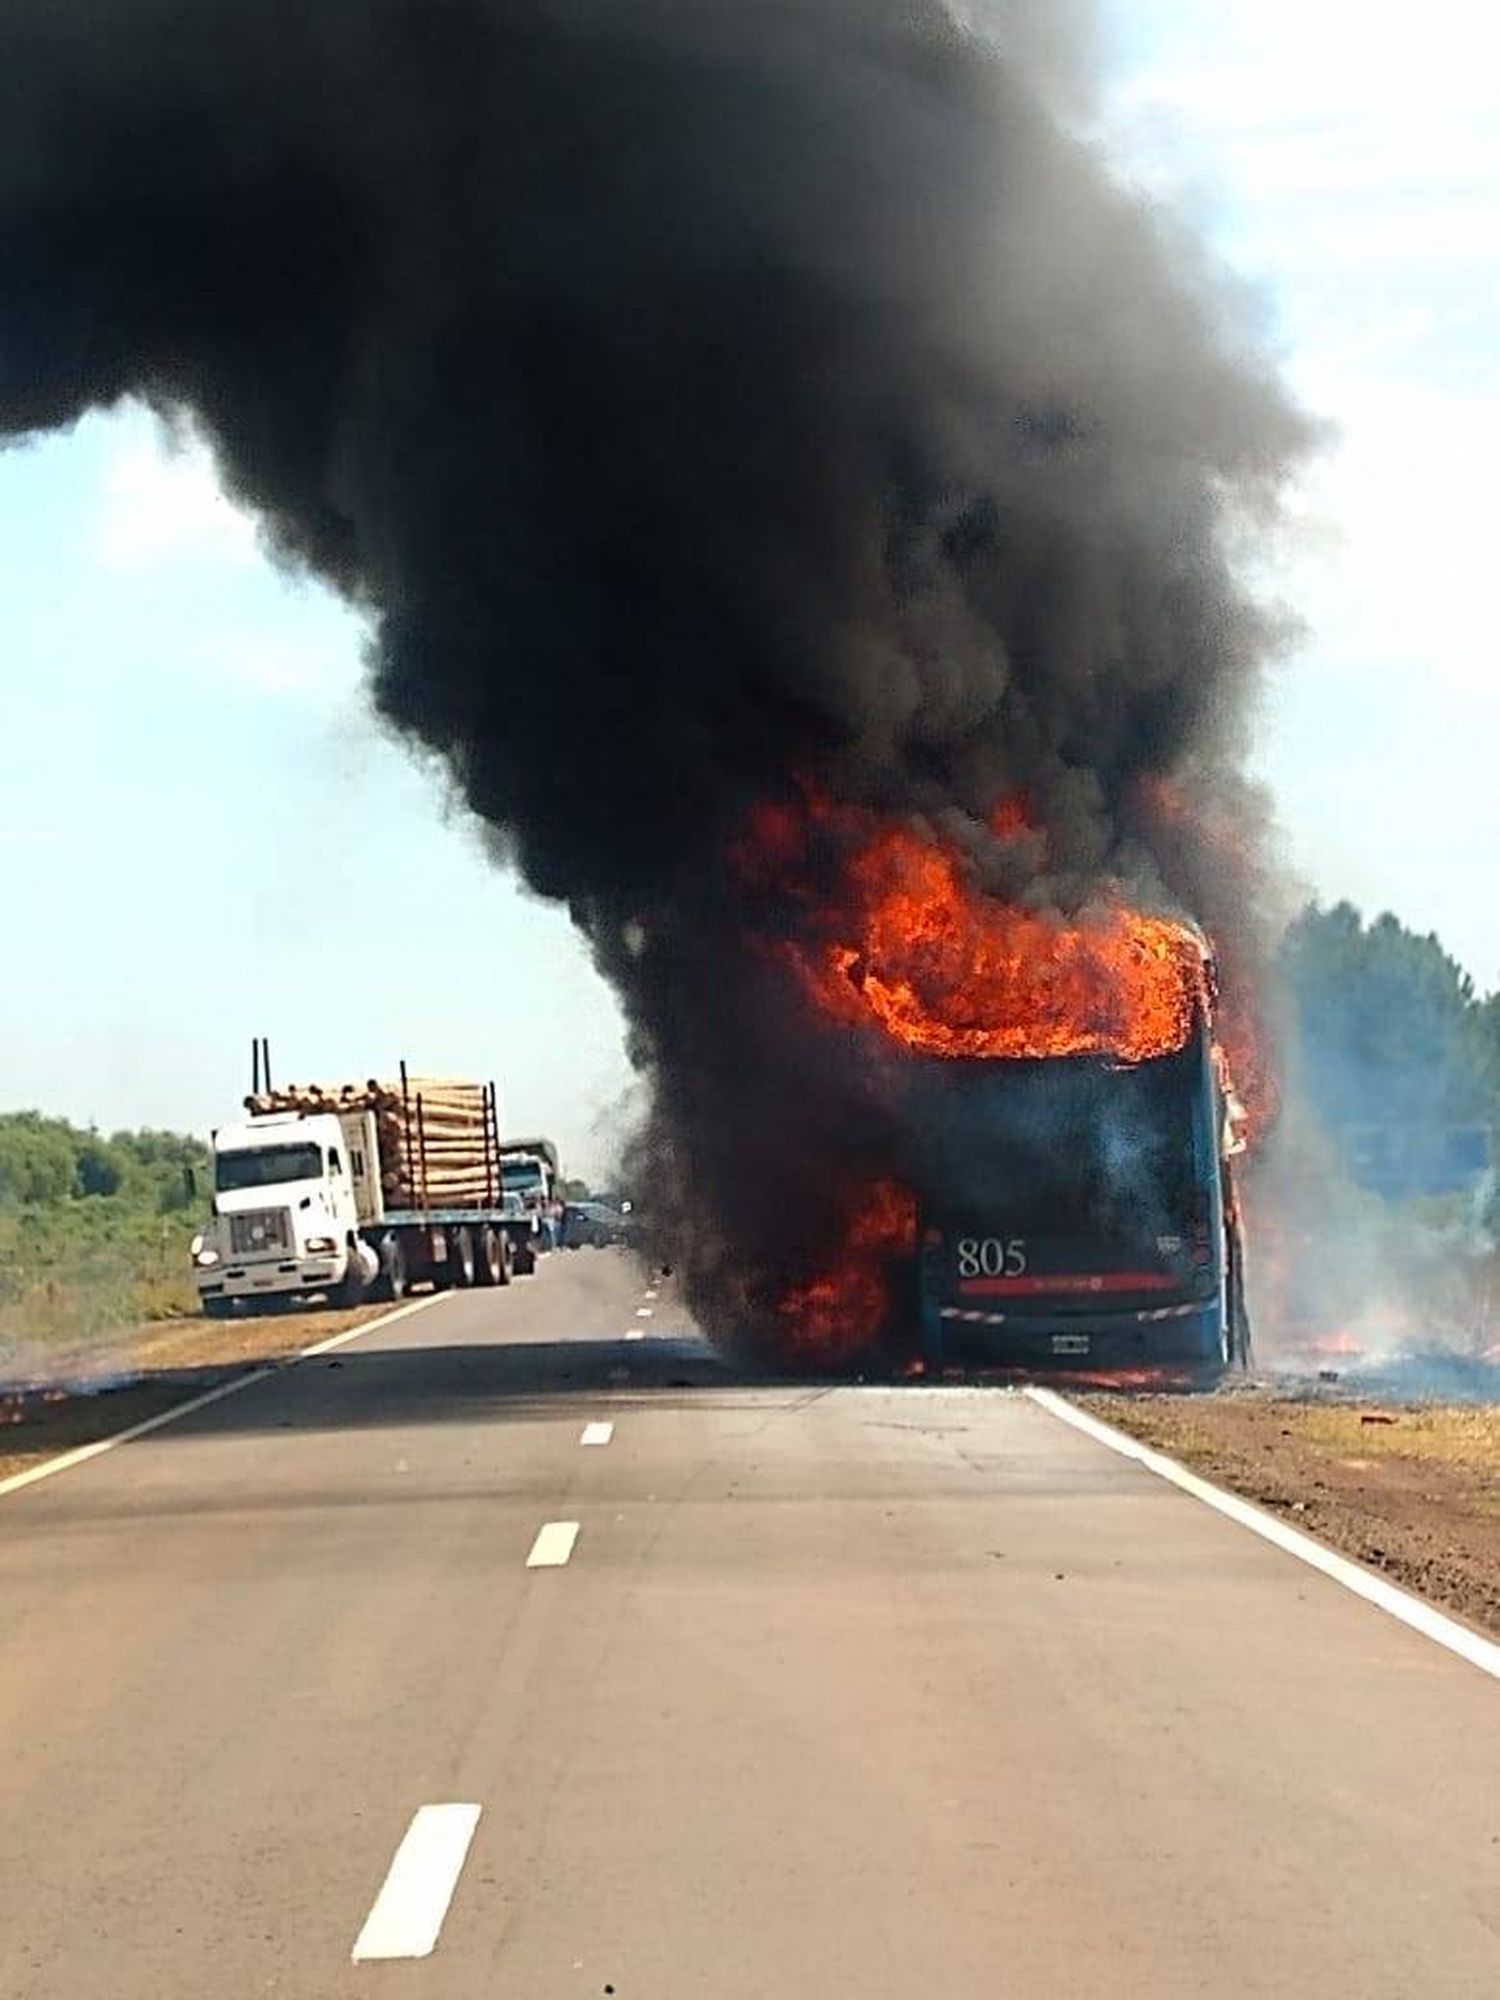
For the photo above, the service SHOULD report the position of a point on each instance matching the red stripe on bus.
(1078, 1281)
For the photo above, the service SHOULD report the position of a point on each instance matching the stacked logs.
(433, 1136)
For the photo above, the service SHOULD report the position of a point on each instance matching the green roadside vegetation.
(94, 1230)
(1374, 1203)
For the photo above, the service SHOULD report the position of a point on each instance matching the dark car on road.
(591, 1224)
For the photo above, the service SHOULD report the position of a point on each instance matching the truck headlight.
(203, 1257)
(320, 1246)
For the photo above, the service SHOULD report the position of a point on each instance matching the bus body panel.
(1078, 1218)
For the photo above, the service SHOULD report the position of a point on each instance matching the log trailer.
(349, 1189)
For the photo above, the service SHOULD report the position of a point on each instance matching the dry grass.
(1446, 1434)
(1412, 1490)
(148, 1370)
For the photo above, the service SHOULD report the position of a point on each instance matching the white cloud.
(1345, 154)
(1406, 570)
(161, 503)
(314, 667)
(1342, 134)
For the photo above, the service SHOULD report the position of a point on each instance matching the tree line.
(1391, 1049)
(47, 1162)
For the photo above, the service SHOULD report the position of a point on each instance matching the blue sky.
(204, 835)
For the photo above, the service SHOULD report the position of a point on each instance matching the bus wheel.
(929, 1318)
(1239, 1326)
(1241, 1346)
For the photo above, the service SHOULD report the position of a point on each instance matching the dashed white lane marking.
(408, 1914)
(648, 1296)
(597, 1434)
(644, 1312)
(635, 1333)
(81, 1454)
(1481, 1653)
(553, 1545)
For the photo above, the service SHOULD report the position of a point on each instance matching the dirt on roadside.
(91, 1391)
(1412, 1490)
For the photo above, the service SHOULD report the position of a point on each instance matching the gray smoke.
(700, 401)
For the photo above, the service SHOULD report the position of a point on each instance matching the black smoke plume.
(701, 401)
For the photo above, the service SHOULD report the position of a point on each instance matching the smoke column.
(701, 402)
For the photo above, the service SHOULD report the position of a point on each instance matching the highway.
(720, 1691)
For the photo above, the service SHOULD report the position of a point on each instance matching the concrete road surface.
(762, 1691)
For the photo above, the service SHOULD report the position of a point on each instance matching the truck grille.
(259, 1230)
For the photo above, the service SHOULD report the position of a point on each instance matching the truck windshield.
(522, 1175)
(267, 1166)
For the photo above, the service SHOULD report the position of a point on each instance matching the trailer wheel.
(525, 1262)
(391, 1283)
(460, 1259)
(487, 1258)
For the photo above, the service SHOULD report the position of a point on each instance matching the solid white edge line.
(81, 1454)
(358, 1332)
(553, 1545)
(407, 1916)
(1413, 1611)
(596, 1434)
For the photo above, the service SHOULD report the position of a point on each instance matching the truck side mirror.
(189, 1183)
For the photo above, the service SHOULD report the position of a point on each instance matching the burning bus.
(1080, 1213)
(1057, 1188)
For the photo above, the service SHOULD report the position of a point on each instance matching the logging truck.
(529, 1168)
(352, 1189)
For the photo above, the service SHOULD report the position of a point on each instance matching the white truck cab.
(291, 1193)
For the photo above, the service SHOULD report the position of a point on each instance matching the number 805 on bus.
(991, 1256)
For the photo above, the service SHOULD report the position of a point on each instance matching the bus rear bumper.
(1188, 1336)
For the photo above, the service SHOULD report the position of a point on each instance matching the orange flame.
(945, 969)
(831, 1317)
(894, 930)
(1167, 815)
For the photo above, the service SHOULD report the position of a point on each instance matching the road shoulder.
(1413, 1492)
